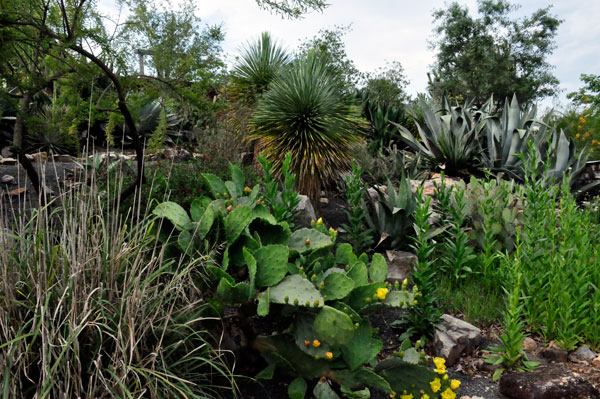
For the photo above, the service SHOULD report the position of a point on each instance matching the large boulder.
(306, 212)
(547, 383)
(454, 337)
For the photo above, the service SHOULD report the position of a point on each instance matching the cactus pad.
(334, 327)
(404, 376)
(303, 240)
(236, 222)
(337, 286)
(378, 270)
(296, 287)
(362, 349)
(174, 213)
(271, 264)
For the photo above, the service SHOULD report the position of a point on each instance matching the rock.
(529, 345)
(454, 337)
(546, 384)
(39, 157)
(5, 152)
(324, 201)
(555, 355)
(596, 362)
(373, 194)
(585, 353)
(63, 158)
(400, 265)
(7, 179)
(306, 212)
(8, 161)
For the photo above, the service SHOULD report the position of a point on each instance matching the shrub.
(304, 113)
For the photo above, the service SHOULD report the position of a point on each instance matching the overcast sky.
(387, 30)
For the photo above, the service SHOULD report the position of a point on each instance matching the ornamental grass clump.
(89, 307)
(305, 113)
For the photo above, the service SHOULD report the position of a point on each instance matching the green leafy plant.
(358, 235)
(298, 276)
(511, 355)
(391, 216)
(258, 66)
(305, 113)
(448, 136)
(458, 257)
(282, 200)
(423, 317)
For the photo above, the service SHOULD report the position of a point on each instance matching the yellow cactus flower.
(329, 355)
(409, 396)
(393, 395)
(381, 293)
(454, 384)
(405, 282)
(448, 394)
(445, 377)
(425, 396)
(440, 363)
(319, 221)
(577, 136)
(247, 189)
(316, 343)
(582, 120)
(435, 385)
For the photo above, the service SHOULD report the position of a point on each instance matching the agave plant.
(258, 66)
(305, 113)
(147, 121)
(508, 138)
(392, 216)
(449, 136)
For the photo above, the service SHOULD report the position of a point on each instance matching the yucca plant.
(305, 113)
(449, 136)
(260, 62)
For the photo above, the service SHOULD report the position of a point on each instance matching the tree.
(329, 45)
(493, 54)
(292, 8)
(386, 85)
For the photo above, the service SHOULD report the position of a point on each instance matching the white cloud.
(386, 30)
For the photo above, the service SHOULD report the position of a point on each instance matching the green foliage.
(358, 234)
(386, 86)
(101, 272)
(159, 135)
(448, 136)
(329, 46)
(511, 354)
(391, 216)
(424, 315)
(458, 257)
(282, 199)
(292, 8)
(305, 114)
(258, 66)
(494, 53)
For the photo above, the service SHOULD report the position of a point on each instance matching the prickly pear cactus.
(305, 240)
(334, 327)
(296, 290)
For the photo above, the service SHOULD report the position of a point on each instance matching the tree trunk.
(17, 147)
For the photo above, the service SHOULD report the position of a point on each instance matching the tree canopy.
(493, 53)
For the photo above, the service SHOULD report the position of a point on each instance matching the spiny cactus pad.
(405, 376)
(378, 270)
(344, 255)
(362, 349)
(304, 332)
(296, 287)
(237, 220)
(215, 185)
(361, 377)
(398, 299)
(264, 301)
(336, 286)
(303, 240)
(198, 207)
(334, 327)
(271, 264)
(363, 296)
(174, 213)
(358, 273)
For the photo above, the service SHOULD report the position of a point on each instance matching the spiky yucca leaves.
(449, 135)
(305, 113)
(258, 66)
